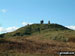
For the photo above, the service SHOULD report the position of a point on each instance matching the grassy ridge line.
(29, 29)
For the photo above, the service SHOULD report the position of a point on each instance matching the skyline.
(17, 13)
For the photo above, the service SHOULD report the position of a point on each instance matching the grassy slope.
(29, 29)
(46, 41)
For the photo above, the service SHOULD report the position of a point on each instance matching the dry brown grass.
(27, 45)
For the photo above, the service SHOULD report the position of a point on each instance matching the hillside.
(38, 39)
(30, 29)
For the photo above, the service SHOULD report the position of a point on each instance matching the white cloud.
(1, 29)
(3, 10)
(26, 23)
(71, 27)
(9, 29)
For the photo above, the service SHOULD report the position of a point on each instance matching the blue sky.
(16, 13)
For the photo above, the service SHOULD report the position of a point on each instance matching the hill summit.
(30, 29)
